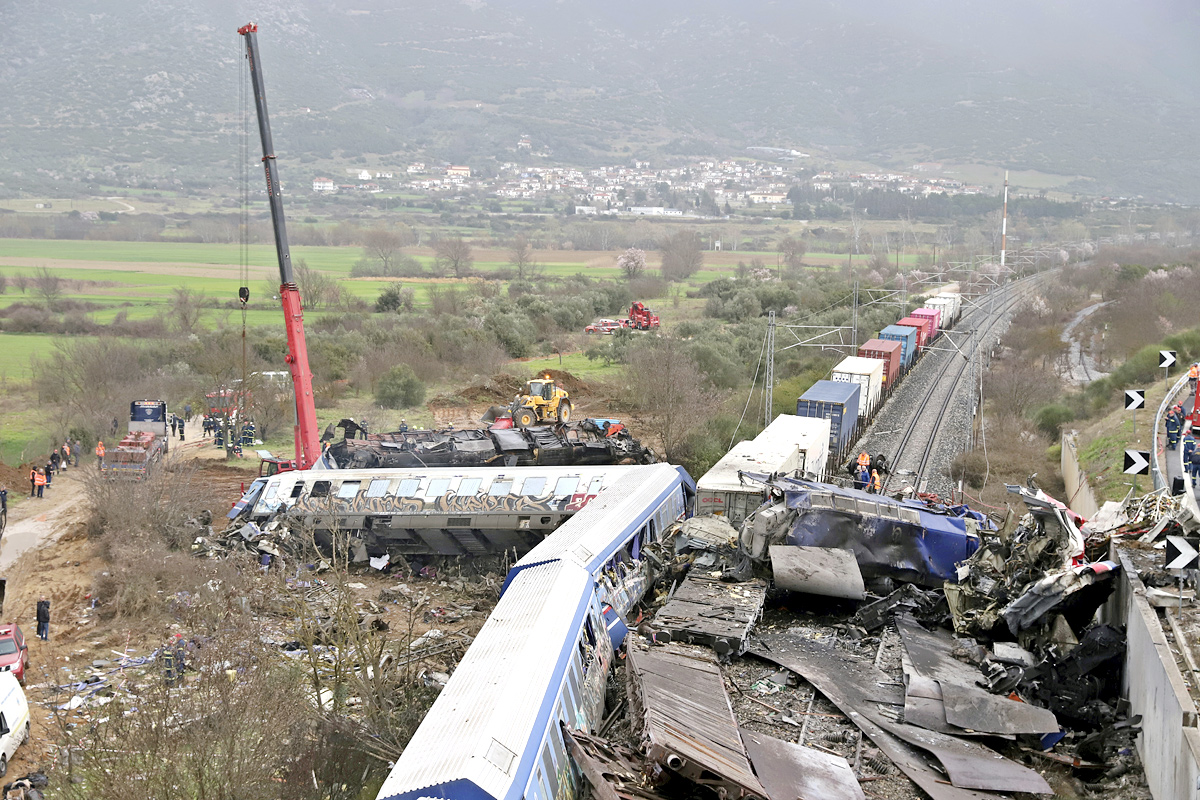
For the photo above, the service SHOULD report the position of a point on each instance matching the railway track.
(934, 412)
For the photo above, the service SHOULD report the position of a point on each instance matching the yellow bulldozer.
(541, 401)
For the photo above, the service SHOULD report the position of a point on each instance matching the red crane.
(308, 443)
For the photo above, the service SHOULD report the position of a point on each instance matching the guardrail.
(1156, 471)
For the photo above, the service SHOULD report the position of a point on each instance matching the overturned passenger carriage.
(585, 442)
(446, 511)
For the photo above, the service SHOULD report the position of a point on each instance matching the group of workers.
(1176, 422)
(866, 478)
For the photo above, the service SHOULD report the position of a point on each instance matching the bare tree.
(667, 386)
(520, 258)
(383, 245)
(48, 286)
(681, 255)
(856, 229)
(186, 309)
(21, 281)
(632, 263)
(792, 251)
(453, 255)
(317, 289)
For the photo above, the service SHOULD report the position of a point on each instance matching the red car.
(14, 653)
(605, 326)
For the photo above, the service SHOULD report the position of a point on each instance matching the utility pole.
(769, 380)
(854, 320)
(1004, 224)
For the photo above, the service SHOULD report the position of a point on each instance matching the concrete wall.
(1079, 492)
(1169, 744)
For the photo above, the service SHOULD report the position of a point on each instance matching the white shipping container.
(956, 299)
(944, 305)
(868, 374)
(790, 444)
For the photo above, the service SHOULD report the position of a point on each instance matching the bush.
(969, 467)
(1050, 419)
(399, 388)
(395, 297)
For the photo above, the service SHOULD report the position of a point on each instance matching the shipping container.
(793, 445)
(837, 402)
(922, 325)
(887, 351)
(946, 306)
(956, 301)
(907, 337)
(935, 319)
(868, 374)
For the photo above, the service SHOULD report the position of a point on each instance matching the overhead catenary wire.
(750, 395)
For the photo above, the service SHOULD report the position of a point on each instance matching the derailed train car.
(541, 661)
(903, 539)
(472, 511)
(584, 442)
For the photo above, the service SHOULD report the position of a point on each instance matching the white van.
(14, 718)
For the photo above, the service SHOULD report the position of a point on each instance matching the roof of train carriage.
(482, 732)
(553, 477)
(598, 530)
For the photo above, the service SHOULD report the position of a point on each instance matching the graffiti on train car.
(445, 504)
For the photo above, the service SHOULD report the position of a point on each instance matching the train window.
(571, 693)
(408, 487)
(468, 486)
(565, 486)
(319, 489)
(438, 487)
(272, 490)
(500, 487)
(589, 632)
(378, 487)
(348, 490)
(550, 773)
(597, 485)
(653, 532)
(556, 750)
(297, 489)
(544, 784)
(636, 551)
(533, 487)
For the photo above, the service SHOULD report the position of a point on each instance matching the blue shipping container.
(836, 401)
(907, 337)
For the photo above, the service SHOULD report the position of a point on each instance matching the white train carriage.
(542, 658)
(444, 511)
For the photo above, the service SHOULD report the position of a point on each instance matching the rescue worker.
(864, 460)
(33, 481)
(876, 482)
(1194, 465)
(39, 480)
(100, 455)
(1193, 374)
(1189, 444)
(861, 478)
(1173, 425)
(403, 425)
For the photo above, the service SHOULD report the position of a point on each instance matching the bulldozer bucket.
(494, 413)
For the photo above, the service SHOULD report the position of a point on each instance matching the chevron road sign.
(1166, 358)
(1135, 399)
(1137, 462)
(1182, 553)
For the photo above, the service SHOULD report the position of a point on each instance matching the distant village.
(627, 189)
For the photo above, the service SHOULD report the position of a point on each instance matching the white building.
(324, 186)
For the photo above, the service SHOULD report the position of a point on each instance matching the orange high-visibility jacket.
(39, 479)
(100, 450)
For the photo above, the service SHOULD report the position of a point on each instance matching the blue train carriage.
(836, 401)
(908, 342)
(542, 658)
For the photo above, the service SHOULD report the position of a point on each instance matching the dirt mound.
(567, 380)
(498, 389)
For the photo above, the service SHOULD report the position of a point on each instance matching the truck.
(642, 318)
(134, 455)
(150, 416)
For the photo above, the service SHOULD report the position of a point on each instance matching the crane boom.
(308, 444)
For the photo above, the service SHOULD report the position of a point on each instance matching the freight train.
(859, 384)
